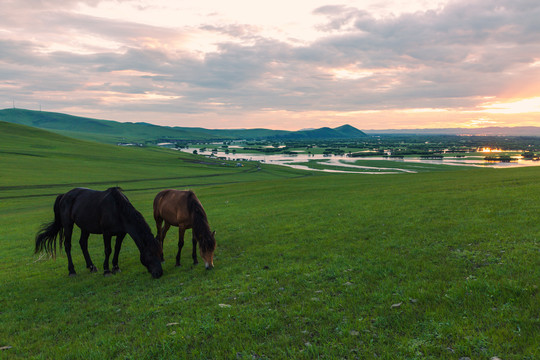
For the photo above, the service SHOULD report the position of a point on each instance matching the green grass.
(411, 266)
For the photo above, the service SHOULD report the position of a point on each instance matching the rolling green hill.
(100, 130)
(116, 132)
(50, 162)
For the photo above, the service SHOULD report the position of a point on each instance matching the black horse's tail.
(46, 237)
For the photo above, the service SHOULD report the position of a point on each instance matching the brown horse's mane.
(201, 228)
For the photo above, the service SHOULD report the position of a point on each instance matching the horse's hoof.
(177, 265)
(73, 274)
(107, 273)
(116, 269)
(93, 269)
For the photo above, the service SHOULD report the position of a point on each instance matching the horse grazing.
(106, 212)
(183, 209)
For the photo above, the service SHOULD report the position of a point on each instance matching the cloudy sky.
(280, 64)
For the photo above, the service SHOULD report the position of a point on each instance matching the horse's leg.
(161, 232)
(84, 247)
(68, 230)
(181, 232)
(159, 225)
(117, 247)
(194, 254)
(108, 251)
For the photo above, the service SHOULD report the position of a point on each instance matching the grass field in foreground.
(433, 265)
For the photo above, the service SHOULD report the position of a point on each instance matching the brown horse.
(183, 209)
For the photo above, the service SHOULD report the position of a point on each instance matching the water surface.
(343, 161)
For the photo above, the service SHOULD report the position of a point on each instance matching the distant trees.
(333, 151)
(396, 145)
(529, 155)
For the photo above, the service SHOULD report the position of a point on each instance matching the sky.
(280, 64)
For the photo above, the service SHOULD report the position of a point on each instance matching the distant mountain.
(487, 131)
(342, 132)
(350, 131)
(116, 132)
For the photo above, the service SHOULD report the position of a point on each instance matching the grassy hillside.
(432, 265)
(99, 130)
(33, 158)
(113, 132)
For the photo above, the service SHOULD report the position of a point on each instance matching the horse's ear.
(214, 233)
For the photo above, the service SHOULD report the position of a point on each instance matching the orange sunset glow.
(489, 150)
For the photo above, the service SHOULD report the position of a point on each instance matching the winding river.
(342, 161)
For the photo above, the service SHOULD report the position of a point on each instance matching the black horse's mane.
(123, 204)
(200, 224)
(129, 212)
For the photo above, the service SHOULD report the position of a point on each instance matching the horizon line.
(302, 129)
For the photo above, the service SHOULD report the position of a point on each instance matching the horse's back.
(172, 206)
(73, 200)
(93, 210)
(87, 198)
(172, 196)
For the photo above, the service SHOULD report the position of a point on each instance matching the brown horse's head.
(206, 249)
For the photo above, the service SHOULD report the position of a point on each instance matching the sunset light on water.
(489, 150)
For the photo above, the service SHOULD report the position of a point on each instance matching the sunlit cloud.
(112, 97)
(531, 105)
(81, 45)
(480, 122)
(353, 114)
(351, 74)
(130, 73)
(424, 110)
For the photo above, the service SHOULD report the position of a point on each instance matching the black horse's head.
(151, 258)
(140, 232)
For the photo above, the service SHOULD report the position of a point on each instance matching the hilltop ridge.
(109, 131)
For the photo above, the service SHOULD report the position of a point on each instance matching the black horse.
(106, 212)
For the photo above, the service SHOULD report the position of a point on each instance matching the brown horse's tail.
(46, 237)
(200, 223)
